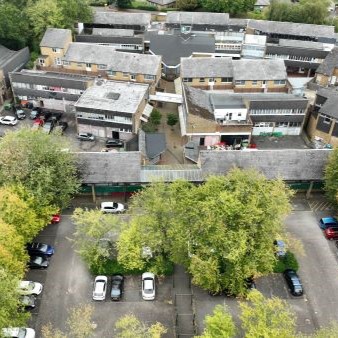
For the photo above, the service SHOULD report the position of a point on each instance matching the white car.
(148, 286)
(29, 288)
(100, 288)
(112, 207)
(18, 332)
(9, 120)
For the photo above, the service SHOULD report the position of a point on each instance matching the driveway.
(67, 283)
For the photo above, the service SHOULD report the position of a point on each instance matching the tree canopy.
(228, 6)
(331, 178)
(222, 231)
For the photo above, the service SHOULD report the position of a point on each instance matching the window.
(42, 62)
(102, 67)
(133, 76)
(254, 82)
(125, 74)
(79, 65)
(281, 124)
(327, 120)
(240, 82)
(56, 50)
(111, 73)
(279, 82)
(294, 124)
(66, 63)
(149, 77)
(226, 79)
(88, 65)
(211, 79)
(58, 61)
(202, 79)
(186, 79)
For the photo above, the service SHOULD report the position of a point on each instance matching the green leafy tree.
(172, 119)
(228, 6)
(123, 3)
(331, 178)
(267, 317)
(75, 11)
(187, 5)
(155, 117)
(129, 326)
(14, 32)
(37, 162)
(219, 324)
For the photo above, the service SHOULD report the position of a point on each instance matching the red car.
(331, 233)
(56, 219)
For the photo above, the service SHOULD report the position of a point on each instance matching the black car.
(38, 262)
(40, 249)
(110, 143)
(293, 282)
(116, 287)
(27, 302)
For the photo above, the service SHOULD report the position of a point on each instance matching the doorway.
(116, 135)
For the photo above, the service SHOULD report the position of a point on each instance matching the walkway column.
(308, 193)
(93, 193)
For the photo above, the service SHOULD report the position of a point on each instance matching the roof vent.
(113, 96)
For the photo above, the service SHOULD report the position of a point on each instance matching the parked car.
(116, 287)
(20, 114)
(148, 286)
(37, 124)
(86, 137)
(331, 233)
(100, 288)
(61, 127)
(111, 143)
(40, 249)
(29, 288)
(38, 262)
(112, 207)
(18, 332)
(328, 222)
(56, 116)
(293, 282)
(48, 126)
(280, 248)
(35, 113)
(45, 115)
(28, 302)
(56, 219)
(8, 120)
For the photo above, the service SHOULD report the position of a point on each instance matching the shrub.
(172, 119)
(289, 261)
(149, 127)
(155, 117)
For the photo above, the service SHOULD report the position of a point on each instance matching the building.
(300, 57)
(238, 75)
(323, 120)
(261, 4)
(112, 109)
(161, 4)
(10, 61)
(54, 46)
(50, 90)
(327, 72)
(254, 46)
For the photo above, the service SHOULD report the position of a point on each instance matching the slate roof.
(288, 164)
(198, 18)
(174, 46)
(246, 69)
(5, 55)
(162, 2)
(329, 107)
(206, 67)
(291, 28)
(296, 51)
(113, 96)
(301, 44)
(121, 18)
(55, 37)
(198, 102)
(108, 168)
(117, 61)
(329, 64)
(114, 40)
(155, 144)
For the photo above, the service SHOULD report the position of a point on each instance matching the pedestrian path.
(184, 316)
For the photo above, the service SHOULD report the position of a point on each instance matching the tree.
(266, 318)
(14, 32)
(123, 3)
(129, 326)
(172, 119)
(95, 236)
(331, 178)
(75, 11)
(219, 324)
(222, 231)
(228, 6)
(155, 117)
(37, 161)
(186, 5)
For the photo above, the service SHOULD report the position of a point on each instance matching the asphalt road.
(67, 283)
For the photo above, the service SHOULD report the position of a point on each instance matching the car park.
(86, 137)
(48, 126)
(40, 249)
(20, 114)
(56, 218)
(116, 287)
(331, 233)
(111, 143)
(8, 120)
(327, 222)
(27, 302)
(280, 248)
(112, 207)
(38, 262)
(293, 282)
(18, 332)
(148, 286)
(30, 288)
(100, 288)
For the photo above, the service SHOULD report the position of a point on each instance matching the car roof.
(108, 204)
(329, 220)
(9, 117)
(148, 275)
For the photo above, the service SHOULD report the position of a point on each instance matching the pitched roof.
(155, 144)
(246, 69)
(121, 18)
(292, 28)
(55, 37)
(329, 107)
(198, 18)
(329, 64)
(5, 55)
(117, 61)
(162, 2)
(198, 102)
(206, 67)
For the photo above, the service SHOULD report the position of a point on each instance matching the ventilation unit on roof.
(113, 96)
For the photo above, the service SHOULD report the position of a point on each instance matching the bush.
(289, 261)
(142, 5)
(172, 119)
(149, 127)
(155, 117)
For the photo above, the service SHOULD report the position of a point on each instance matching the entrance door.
(116, 135)
(202, 141)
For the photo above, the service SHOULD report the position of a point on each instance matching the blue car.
(40, 249)
(328, 222)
